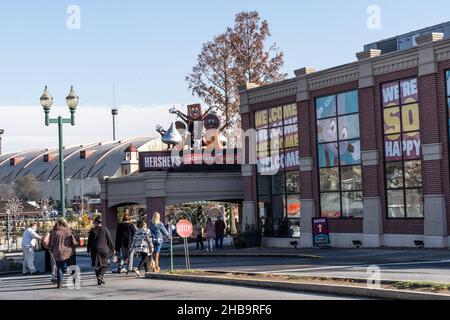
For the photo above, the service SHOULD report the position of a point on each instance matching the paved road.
(130, 287)
(396, 266)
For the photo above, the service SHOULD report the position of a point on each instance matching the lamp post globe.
(46, 100)
(72, 99)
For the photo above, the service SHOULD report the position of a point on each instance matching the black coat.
(100, 246)
(124, 235)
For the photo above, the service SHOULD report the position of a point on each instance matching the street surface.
(124, 287)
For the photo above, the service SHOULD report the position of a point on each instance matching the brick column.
(308, 210)
(156, 204)
(370, 152)
(435, 223)
(155, 193)
(109, 215)
(249, 205)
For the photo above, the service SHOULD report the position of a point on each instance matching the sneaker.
(137, 272)
(35, 273)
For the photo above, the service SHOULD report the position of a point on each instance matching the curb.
(266, 255)
(361, 292)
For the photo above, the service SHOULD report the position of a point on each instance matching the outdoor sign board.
(165, 160)
(184, 228)
(321, 234)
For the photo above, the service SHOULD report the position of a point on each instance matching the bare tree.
(26, 188)
(212, 79)
(234, 58)
(255, 63)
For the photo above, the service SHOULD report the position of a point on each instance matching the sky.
(145, 49)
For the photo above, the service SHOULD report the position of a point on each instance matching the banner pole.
(171, 246)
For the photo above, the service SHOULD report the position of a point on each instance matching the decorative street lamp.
(72, 103)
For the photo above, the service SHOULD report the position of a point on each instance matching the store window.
(402, 149)
(278, 171)
(339, 155)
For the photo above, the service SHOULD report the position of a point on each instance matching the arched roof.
(93, 160)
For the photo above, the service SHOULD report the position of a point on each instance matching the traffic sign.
(184, 228)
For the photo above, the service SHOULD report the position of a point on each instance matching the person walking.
(62, 246)
(220, 231)
(100, 246)
(29, 239)
(124, 238)
(157, 229)
(210, 234)
(46, 244)
(198, 229)
(143, 244)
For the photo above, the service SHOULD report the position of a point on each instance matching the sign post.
(171, 246)
(184, 230)
(321, 236)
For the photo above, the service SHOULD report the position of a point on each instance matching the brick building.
(364, 144)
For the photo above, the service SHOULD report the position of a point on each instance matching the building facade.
(364, 144)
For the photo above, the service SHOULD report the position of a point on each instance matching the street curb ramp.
(361, 292)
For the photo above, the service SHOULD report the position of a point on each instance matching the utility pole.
(115, 113)
(1, 140)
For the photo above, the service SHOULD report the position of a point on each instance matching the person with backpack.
(143, 244)
(124, 238)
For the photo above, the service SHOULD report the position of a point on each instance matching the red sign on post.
(184, 228)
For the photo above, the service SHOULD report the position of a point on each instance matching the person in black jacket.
(124, 239)
(100, 246)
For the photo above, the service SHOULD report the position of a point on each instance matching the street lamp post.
(72, 103)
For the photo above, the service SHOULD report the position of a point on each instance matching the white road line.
(360, 266)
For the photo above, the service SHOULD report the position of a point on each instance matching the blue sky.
(147, 47)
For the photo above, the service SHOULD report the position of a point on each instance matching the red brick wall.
(305, 128)
(443, 123)
(369, 130)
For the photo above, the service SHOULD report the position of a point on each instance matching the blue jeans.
(219, 241)
(60, 266)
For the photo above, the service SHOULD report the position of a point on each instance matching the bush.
(251, 238)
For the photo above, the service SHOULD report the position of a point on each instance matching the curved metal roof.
(101, 159)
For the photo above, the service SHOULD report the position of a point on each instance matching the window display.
(339, 155)
(402, 149)
(278, 170)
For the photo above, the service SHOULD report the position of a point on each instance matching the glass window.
(402, 146)
(329, 179)
(349, 127)
(347, 102)
(394, 175)
(339, 155)
(328, 155)
(326, 107)
(278, 170)
(352, 204)
(278, 186)
(351, 178)
(331, 205)
(293, 182)
(396, 204)
(293, 206)
(350, 152)
(327, 130)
